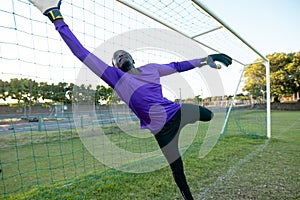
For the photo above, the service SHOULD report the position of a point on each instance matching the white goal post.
(219, 24)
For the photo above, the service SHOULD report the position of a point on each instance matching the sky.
(268, 25)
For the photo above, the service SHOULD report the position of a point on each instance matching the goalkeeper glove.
(50, 8)
(222, 58)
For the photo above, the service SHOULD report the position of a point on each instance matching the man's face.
(123, 60)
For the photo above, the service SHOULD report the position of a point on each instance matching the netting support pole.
(232, 102)
(268, 97)
(266, 62)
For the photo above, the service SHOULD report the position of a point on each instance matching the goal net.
(60, 122)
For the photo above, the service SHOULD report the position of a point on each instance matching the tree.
(15, 91)
(45, 90)
(83, 93)
(30, 93)
(198, 98)
(23, 90)
(30, 90)
(4, 85)
(284, 75)
(255, 82)
(59, 93)
(69, 93)
(103, 94)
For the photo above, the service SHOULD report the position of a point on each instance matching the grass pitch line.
(237, 166)
(231, 171)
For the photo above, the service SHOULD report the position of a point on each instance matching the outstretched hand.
(222, 58)
(46, 5)
(49, 8)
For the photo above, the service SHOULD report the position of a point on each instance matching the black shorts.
(167, 137)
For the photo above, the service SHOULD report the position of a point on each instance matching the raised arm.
(173, 67)
(51, 8)
(89, 59)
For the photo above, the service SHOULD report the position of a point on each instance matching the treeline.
(29, 91)
(284, 76)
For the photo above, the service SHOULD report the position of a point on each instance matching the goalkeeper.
(141, 90)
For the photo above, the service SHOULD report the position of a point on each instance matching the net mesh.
(41, 151)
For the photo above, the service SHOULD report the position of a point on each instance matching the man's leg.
(180, 179)
(190, 113)
(167, 139)
(171, 153)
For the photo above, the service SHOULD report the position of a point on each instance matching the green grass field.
(56, 165)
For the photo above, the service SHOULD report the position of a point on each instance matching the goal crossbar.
(220, 24)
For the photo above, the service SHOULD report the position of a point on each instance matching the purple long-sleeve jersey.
(142, 92)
